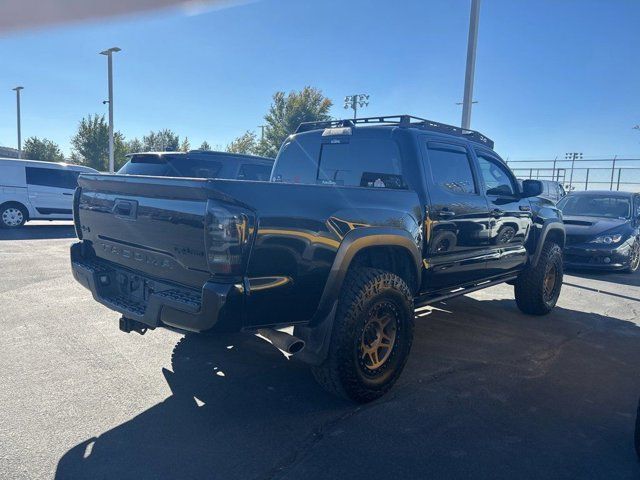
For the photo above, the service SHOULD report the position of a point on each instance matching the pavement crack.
(307, 444)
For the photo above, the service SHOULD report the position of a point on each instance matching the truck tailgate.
(155, 226)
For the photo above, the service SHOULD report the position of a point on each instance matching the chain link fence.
(583, 174)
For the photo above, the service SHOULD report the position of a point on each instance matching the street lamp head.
(17, 89)
(111, 50)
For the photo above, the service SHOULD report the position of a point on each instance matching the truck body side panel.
(300, 228)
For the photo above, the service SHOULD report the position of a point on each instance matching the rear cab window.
(344, 160)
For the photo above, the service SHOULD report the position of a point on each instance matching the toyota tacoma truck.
(362, 221)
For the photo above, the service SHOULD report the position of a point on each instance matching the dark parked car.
(551, 190)
(363, 221)
(603, 230)
(199, 164)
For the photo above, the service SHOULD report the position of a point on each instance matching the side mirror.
(532, 188)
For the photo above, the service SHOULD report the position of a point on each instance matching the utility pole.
(354, 101)
(109, 53)
(262, 127)
(17, 90)
(573, 156)
(471, 64)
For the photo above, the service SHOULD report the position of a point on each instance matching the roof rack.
(403, 121)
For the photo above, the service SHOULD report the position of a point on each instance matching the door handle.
(69, 194)
(125, 208)
(444, 214)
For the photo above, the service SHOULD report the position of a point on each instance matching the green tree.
(134, 146)
(90, 144)
(185, 145)
(42, 149)
(205, 146)
(120, 150)
(161, 141)
(246, 143)
(287, 112)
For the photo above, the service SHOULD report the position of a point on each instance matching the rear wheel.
(537, 289)
(634, 257)
(371, 337)
(12, 215)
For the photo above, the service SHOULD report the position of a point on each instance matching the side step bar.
(429, 300)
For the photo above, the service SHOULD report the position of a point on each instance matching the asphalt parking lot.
(487, 393)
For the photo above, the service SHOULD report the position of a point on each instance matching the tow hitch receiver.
(128, 325)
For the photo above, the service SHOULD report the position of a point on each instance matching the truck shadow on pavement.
(487, 393)
(38, 232)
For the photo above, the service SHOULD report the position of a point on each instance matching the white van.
(31, 190)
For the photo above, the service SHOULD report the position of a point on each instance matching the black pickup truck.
(363, 220)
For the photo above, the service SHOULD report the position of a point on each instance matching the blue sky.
(552, 75)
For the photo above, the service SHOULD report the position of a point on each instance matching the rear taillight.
(76, 212)
(227, 231)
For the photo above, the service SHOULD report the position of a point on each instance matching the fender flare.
(549, 226)
(317, 334)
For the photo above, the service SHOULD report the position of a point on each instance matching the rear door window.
(366, 162)
(450, 167)
(51, 177)
(252, 171)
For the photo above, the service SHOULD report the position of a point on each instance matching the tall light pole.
(109, 53)
(471, 64)
(17, 90)
(354, 101)
(573, 156)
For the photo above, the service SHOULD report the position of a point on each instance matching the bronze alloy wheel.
(550, 280)
(378, 337)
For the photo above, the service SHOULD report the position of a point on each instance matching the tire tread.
(333, 374)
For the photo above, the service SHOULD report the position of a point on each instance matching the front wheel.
(371, 337)
(537, 289)
(634, 257)
(12, 215)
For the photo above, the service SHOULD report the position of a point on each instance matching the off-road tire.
(529, 287)
(365, 291)
(15, 206)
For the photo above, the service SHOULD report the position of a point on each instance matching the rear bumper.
(152, 302)
(590, 257)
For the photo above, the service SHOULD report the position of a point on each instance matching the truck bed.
(156, 227)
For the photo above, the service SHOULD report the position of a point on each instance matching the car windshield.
(596, 206)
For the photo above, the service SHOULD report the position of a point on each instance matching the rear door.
(510, 215)
(457, 229)
(51, 190)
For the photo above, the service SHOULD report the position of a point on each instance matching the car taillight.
(227, 231)
(76, 212)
